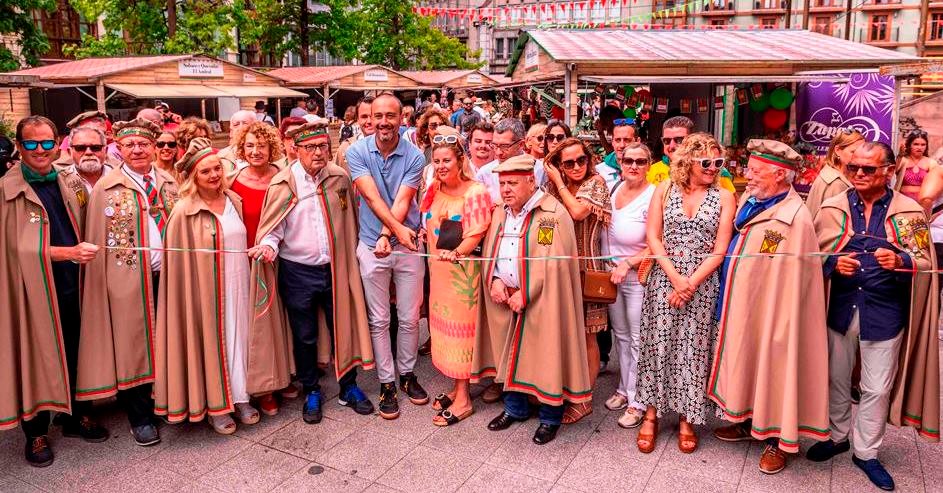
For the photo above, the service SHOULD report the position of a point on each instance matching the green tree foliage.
(16, 20)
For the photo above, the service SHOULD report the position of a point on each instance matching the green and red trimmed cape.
(542, 351)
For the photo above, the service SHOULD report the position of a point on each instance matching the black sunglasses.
(31, 145)
(867, 170)
(555, 137)
(161, 144)
(83, 148)
(633, 162)
(574, 163)
(707, 162)
(669, 140)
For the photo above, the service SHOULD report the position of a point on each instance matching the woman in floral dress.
(457, 212)
(689, 216)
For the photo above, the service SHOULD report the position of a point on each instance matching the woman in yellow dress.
(457, 212)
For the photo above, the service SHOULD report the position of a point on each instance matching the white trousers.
(406, 272)
(625, 316)
(878, 369)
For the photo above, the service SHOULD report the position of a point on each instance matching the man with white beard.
(88, 150)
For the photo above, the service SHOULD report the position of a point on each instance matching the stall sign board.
(473, 79)
(375, 75)
(201, 68)
(531, 56)
(865, 103)
(329, 109)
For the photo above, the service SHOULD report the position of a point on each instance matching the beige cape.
(192, 377)
(34, 376)
(916, 394)
(116, 348)
(269, 349)
(829, 183)
(541, 352)
(772, 348)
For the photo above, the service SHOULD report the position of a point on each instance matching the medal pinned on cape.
(342, 196)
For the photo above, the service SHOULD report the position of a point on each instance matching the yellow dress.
(454, 288)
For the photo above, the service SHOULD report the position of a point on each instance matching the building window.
(499, 48)
(769, 22)
(935, 33)
(878, 29)
(718, 22)
(511, 44)
(822, 25)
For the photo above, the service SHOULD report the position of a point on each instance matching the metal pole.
(789, 13)
(848, 14)
(922, 28)
(806, 4)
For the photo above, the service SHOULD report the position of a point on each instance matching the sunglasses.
(539, 138)
(638, 163)
(669, 140)
(574, 163)
(445, 139)
(623, 122)
(169, 144)
(432, 125)
(555, 137)
(83, 148)
(31, 145)
(707, 162)
(866, 170)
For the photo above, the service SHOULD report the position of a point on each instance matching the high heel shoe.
(647, 438)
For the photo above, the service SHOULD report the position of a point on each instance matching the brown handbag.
(598, 287)
(645, 266)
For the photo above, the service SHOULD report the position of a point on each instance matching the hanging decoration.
(774, 119)
(781, 98)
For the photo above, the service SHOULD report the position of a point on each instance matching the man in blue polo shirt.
(387, 171)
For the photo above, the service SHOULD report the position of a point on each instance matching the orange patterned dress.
(454, 288)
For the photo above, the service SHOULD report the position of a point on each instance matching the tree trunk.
(304, 44)
(171, 18)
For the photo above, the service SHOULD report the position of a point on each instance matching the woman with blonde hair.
(457, 214)
(572, 179)
(831, 179)
(203, 316)
(689, 216)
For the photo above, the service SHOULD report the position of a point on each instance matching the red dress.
(251, 208)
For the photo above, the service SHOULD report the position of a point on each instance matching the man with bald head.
(153, 115)
(227, 155)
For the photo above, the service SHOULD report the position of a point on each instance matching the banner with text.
(865, 103)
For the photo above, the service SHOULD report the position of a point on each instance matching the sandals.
(224, 425)
(451, 419)
(648, 438)
(246, 414)
(576, 412)
(687, 438)
(441, 402)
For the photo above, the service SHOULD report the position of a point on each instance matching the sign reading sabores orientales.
(864, 103)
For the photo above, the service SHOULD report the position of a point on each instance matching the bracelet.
(385, 235)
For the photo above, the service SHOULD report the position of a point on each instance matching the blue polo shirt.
(403, 168)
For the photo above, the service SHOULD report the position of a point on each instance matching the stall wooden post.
(278, 111)
(203, 109)
(100, 95)
(572, 101)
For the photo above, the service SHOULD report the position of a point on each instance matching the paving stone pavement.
(351, 453)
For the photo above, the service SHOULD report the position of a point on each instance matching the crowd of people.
(194, 283)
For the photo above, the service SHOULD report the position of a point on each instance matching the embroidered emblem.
(771, 241)
(342, 196)
(914, 236)
(35, 217)
(81, 194)
(544, 235)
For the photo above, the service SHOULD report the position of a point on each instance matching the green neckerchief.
(33, 177)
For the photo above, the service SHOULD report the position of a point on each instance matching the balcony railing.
(769, 4)
(720, 6)
(827, 3)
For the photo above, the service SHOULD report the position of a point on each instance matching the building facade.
(889, 24)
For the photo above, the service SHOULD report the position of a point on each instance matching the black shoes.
(355, 399)
(38, 451)
(823, 451)
(312, 411)
(545, 433)
(389, 405)
(503, 422)
(84, 428)
(145, 435)
(409, 384)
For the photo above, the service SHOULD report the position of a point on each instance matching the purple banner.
(865, 103)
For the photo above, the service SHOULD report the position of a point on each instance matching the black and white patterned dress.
(677, 345)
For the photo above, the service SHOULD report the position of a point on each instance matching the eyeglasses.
(707, 162)
(31, 145)
(555, 137)
(629, 162)
(168, 144)
(623, 122)
(668, 140)
(866, 170)
(131, 145)
(538, 138)
(505, 147)
(312, 147)
(433, 125)
(445, 139)
(574, 163)
(83, 148)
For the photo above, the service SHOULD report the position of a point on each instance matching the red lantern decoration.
(774, 119)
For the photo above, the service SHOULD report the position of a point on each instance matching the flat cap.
(310, 130)
(775, 153)
(198, 149)
(517, 164)
(139, 126)
(88, 115)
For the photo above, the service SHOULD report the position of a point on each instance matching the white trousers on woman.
(625, 315)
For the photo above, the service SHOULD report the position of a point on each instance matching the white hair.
(790, 176)
(77, 130)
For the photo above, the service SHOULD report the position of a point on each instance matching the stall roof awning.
(171, 91)
(639, 48)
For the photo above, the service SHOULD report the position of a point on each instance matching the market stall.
(191, 84)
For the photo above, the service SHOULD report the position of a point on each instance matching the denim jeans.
(517, 406)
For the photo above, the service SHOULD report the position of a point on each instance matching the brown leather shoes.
(733, 433)
(773, 460)
(492, 393)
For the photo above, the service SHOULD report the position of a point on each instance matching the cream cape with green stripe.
(33, 371)
(772, 349)
(192, 373)
(118, 323)
(541, 352)
(269, 365)
(916, 395)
